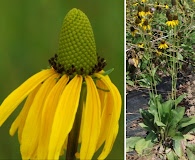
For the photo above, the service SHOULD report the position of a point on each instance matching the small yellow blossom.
(158, 52)
(141, 11)
(145, 25)
(166, 6)
(163, 45)
(147, 11)
(140, 45)
(133, 31)
(171, 22)
(175, 19)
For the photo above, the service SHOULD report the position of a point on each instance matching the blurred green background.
(29, 32)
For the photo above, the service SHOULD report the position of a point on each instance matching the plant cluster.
(161, 42)
(160, 38)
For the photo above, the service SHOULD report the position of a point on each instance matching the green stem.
(74, 133)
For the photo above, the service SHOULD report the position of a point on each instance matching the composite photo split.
(88, 80)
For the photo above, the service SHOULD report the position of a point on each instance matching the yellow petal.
(110, 116)
(20, 120)
(109, 143)
(48, 112)
(91, 122)
(31, 130)
(18, 95)
(64, 116)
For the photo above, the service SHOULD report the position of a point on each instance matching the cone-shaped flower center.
(77, 49)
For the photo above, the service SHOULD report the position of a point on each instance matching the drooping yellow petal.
(110, 116)
(18, 95)
(91, 122)
(64, 116)
(109, 143)
(48, 112)
(30, 134)
(21, 119)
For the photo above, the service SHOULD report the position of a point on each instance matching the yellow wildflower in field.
(158, 52)
(74, 101)
(133, 31)
(141, 11)
(172, 21)
(163, 45)
(145, 25)
(175, 19)
(143, 1)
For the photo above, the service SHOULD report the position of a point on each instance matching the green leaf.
(179, 56)
(142, 144)
(177, 115)
(188, 128)
(178, 148)
(129, 82)
(186, 121)
(154, 71)
(190, 154)
(130, 142)
(145, 127)
(175, 118)
(171, 155)
(160, 124)
(108, 72)
(179, 99)
(191, 147)
(178, 136)
(148, 119)
(167, 106)
(151, 137)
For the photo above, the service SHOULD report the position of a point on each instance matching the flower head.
(163, 45)
(133, 31)
(74, 101)
(172, 20)
(145, 25)
(141, 11)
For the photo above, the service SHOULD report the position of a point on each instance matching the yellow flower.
(158, 52)
(145, 25)
(175, 19)
(140, 45)
(147, 11)
(163, 45)
(170, 23)
(133, 31)
(141, 11)
(166, 6)
(73, 98)
(172, 20)
(135, 61)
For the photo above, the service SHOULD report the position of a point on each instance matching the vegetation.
(161, 42)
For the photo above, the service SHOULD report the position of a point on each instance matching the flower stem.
(74, 133)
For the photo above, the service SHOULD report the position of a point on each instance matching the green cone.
(77, 44)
